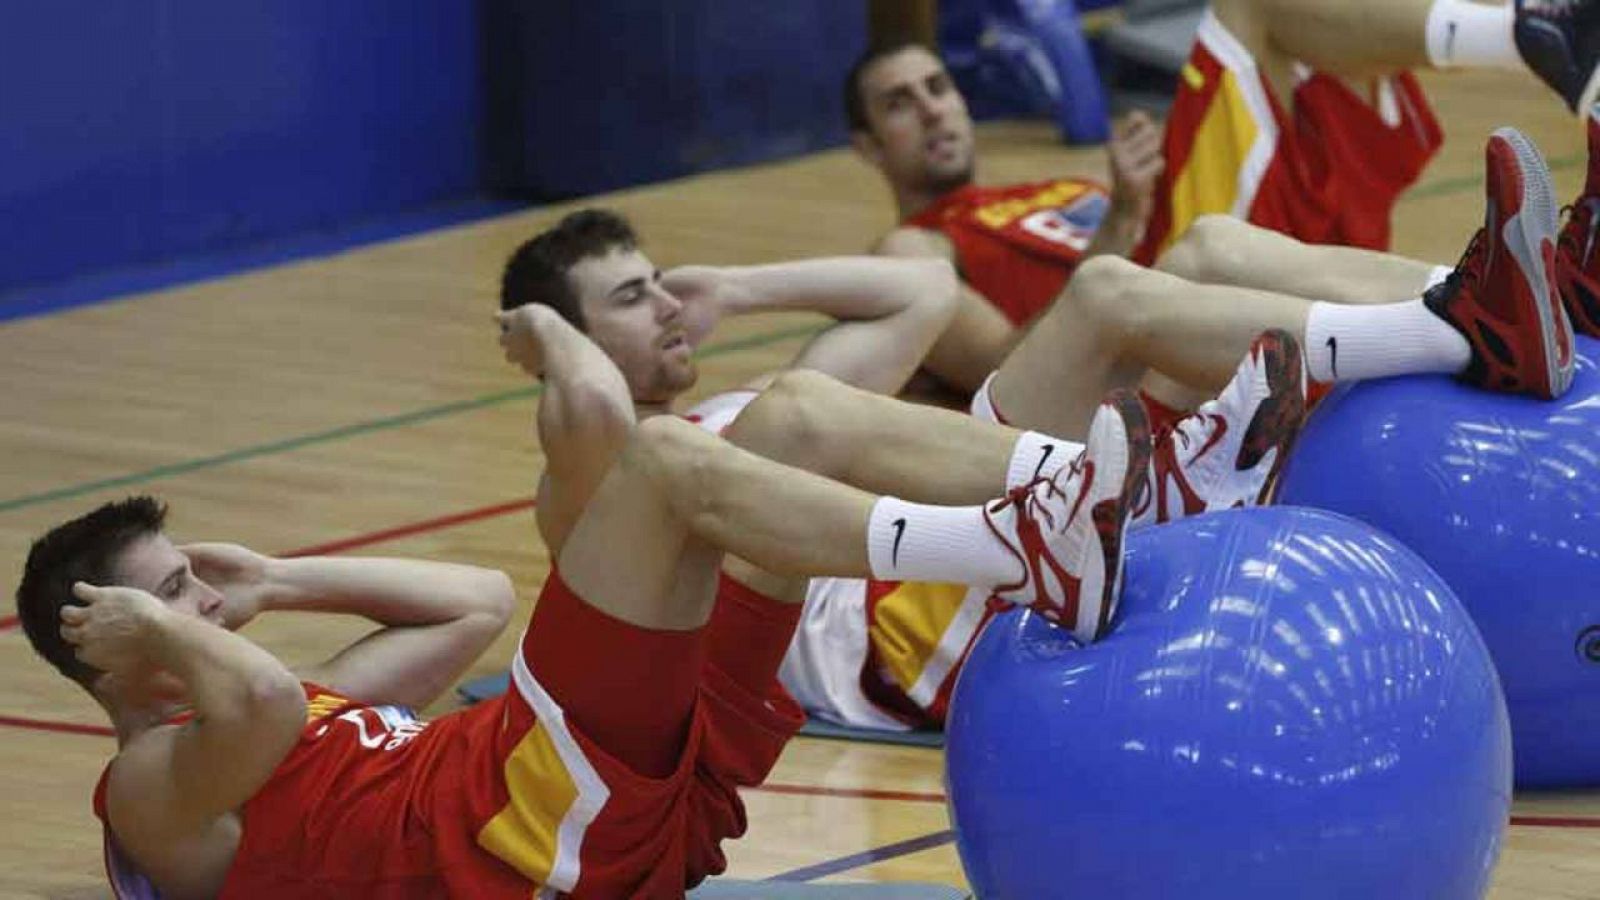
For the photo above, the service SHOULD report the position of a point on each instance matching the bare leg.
(809, 421)
(646, 551)
(876, 443)
(1356, 39)
(1220, 249)
(647, 546)
(1117, 319)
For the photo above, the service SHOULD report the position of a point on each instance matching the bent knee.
(1210, 251)
(789, 422)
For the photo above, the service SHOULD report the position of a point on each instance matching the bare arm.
(1136, 162)
(888, 312)
(437, 617)
(585, 412)
(978, 337)
(174, 781)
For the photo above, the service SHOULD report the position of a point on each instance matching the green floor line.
(1432, 189)
(360, 428)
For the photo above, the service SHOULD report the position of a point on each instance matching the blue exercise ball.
(1501, 495)
(1289, 705)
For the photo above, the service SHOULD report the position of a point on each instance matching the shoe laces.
(1028, 499)
(1469, 269)
(1576, 238)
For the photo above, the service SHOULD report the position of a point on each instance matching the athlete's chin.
(943, 179)
(674, 379)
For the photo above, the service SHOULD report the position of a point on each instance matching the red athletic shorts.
(704, 708)
(1329, 172)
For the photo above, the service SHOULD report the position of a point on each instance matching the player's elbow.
(941, 294)
(497, 598)
(274, 701)
(587, 412)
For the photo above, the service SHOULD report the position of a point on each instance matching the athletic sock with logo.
(1464, 33)
(917, 542)
(1038, 455)
(1348, 343)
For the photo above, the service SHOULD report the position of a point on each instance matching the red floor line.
(414, 528)
(500, 509)
(48, 725)
(387, 534)
(1555, 822)
(928, 797)
(865, 794)
(804, 790)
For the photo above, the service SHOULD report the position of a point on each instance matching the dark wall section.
(617, 93)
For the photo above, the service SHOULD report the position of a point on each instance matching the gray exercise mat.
(729, 889)
(820, 729)
(495, 685)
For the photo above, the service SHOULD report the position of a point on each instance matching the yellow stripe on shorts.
(1210, 180)
(908, 624)
(524, 833)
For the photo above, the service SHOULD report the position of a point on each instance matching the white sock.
(915, 542)
(1463, 33)
(1039, 456)
(1348, 343)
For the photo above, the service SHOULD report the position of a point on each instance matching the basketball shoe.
(1230, 451)
(1066, 531)
(1577, 262)
(1502, 296)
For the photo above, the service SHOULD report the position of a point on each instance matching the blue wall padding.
(618, 94)
(1020, 58)
(137, 132)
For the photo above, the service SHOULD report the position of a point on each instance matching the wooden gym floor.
(358, 403)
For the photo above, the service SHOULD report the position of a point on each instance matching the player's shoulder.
(911, 240)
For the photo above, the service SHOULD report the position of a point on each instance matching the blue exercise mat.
(495, 685)
(729, 889)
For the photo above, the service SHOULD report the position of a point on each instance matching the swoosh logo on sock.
(1044, 457)
(899, 532)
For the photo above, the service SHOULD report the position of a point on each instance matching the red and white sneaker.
(1229, 452)
(1577, 262)
(1502, 296)
(1067, 530)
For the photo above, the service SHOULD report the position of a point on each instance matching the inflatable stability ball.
(1289, 705)
(1501, 495)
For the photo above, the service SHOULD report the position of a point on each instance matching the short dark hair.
(855, 105)
(84, 549)
(537, 271)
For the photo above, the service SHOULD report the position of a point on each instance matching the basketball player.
(1325, 126)
(641, 700)
(1023, 242)
(809, 422)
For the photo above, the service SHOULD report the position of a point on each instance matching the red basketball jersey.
(1018, 245)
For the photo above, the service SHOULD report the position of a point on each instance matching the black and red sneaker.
(1066, 531)
(1503, 295)
(1560, 41)
(1577, 262)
